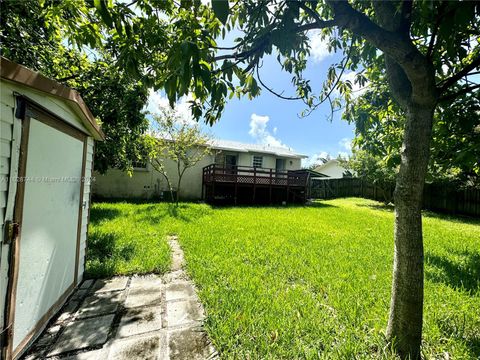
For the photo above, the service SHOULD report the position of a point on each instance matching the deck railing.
(218, 173)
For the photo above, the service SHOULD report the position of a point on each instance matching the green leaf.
(102, 9)
(221, 10)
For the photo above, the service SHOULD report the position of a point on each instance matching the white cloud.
(156, 102)
(346, 144)
(258, 130)
(315, 159)
(318, 46)
(344, 154)
(357, 89)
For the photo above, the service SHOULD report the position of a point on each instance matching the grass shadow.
(379, 206)
(154, 214)
(315, 204)
(462, 274)
(462, 329)
(98, 214)
(457, 218)
(103, 252)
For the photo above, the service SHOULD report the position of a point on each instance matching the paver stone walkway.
(134, 317)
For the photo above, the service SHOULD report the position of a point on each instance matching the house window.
(257, 161)
(280, 164)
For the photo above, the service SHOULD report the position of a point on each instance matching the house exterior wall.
(332, 169)
(269, 161)
(148, 183)
(10, 137)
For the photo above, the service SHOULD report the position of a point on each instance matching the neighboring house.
(47, 135)
(333, 169)
(230, 156)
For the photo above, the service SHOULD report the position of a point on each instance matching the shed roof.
(20, 74)
(255, 148)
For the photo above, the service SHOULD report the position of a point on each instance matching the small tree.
(175, 139)
(374, 169)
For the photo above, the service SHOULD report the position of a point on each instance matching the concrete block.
(184, 312)
(144, 296)
(137, 348)
(82, 334)
(79, 294)
(86, 284)
(140, 320)
(189, 344)
(179, 290)
(99, 304)
(142, 282)
(114, 284)
(68, 310)
(99, 354)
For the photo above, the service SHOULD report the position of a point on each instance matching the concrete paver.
(183, 312)
(114, 284)
(148, 281)
(99, 304)
(136, 348)
(189, 344)
(86, 284)
(99, 354)
(146, 296)
(81, 334)
(179, 290)
(140, 320)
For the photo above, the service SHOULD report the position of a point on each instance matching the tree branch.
(445, 84)
(460, 92)
(310, 12)
(266, 40)
(273, 91)
(396, 45)
(431, 45)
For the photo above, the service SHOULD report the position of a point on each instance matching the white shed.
(47, 136)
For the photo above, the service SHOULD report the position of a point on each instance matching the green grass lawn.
(299, 282)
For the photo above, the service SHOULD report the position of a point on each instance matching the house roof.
(329, 162)
(17, 73)
(255, 148)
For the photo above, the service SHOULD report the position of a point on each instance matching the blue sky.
(270, 120)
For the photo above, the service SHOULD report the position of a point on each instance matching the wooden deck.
(249, 185)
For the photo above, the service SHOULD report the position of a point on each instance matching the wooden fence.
(436, 197)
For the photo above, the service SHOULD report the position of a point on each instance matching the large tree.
(424, 49)
(455, 145)
(115, 97)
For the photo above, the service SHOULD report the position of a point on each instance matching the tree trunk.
(406, 307)
(178, 187)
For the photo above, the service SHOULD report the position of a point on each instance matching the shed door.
(47, 247)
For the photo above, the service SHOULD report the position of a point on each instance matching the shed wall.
(7, 106)
(85, 213)
(9, 148)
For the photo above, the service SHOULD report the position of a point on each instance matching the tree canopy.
(420, 60)
(115, 97)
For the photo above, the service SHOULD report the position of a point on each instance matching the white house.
(332, 169)
(145, 182)
(47, 135)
